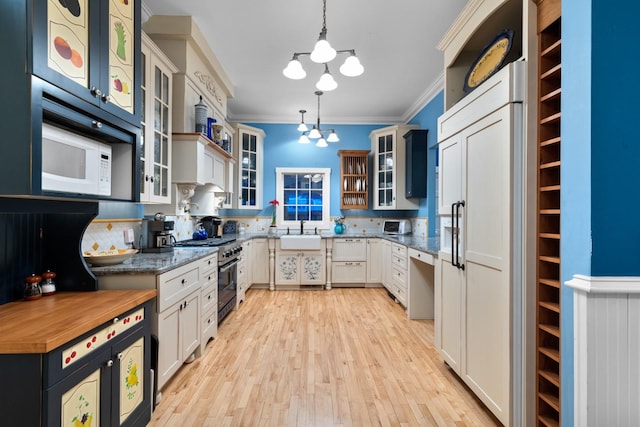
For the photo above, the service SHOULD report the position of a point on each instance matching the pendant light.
(316, 132)
(302, 127)
(323, 53)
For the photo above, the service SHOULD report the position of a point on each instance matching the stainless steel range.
(228, 257)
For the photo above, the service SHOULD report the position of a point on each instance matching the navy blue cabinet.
(416, 163)
(70, 64)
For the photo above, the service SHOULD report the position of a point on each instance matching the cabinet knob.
(146, 178)
(109, 363)
(116, 319)
(120, 356)
(105, 98)
(96, 92)
(151, 178)
(96, 124)
(209, 297)
(183, 281)
(186, 303)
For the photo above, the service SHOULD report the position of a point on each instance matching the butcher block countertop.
(42, 325)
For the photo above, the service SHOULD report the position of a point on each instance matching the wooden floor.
(344, 357)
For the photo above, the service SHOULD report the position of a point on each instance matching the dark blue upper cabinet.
(416, 163)
(91, 48)
(75, 65)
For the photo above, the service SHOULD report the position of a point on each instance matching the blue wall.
(600, 155)
(281, 149)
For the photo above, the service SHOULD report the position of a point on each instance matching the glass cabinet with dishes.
(249, 148)
(92, 50)
(389, 161)
(155, 156)
(354, 178)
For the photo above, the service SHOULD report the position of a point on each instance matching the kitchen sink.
(300, 241)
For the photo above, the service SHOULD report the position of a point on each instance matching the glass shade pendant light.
(302, 127)
(294, 69)
(352, 66)
(326, 82)
(304, 139)
(315, 133)
(322, 54)
(322, 143)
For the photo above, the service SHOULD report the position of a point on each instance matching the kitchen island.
(76, 355)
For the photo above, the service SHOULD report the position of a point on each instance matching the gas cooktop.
(211, 241)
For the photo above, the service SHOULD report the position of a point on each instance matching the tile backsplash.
(105, 234)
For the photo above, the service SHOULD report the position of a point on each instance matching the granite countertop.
(155, 263)
(158, 263)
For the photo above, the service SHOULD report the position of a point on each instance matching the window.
(303, 194)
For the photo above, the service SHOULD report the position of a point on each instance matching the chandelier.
(316, 132)
(323, 53)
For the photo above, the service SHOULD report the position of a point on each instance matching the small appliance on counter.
(396, 226)
(156, 235)
(213, 225)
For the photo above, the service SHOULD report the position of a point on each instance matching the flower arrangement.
(339, 220)
(274, 203)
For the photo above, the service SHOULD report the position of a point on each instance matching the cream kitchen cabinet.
(179, 319)
(349, 261)
(397, 284)
(260, 261)
(250, 151)
(155, 147)
(389, 160)
(374, 261)
(208, 270)
(197, 160)
(480, 144)
(297, 267)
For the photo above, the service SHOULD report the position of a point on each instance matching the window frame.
(326, 197)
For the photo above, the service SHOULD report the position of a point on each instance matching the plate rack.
(354, 179)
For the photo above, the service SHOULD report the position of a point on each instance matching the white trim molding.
(606, 350)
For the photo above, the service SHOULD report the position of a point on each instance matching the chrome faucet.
(302, 226)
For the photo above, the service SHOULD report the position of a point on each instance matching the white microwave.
(74, 163)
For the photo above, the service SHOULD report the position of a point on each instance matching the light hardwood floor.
(344, 357)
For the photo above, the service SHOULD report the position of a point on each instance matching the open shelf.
(354, 179)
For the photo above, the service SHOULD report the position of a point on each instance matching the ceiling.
(254, 40)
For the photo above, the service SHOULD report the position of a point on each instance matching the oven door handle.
(228, 266)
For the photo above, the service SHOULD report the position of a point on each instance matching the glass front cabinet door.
(155, 160)
(249, 146)
(389, 160)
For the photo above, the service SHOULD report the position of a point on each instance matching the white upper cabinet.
(388, 147)
(155, 155)
(249, 148)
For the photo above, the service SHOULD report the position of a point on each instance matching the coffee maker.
(156, 235)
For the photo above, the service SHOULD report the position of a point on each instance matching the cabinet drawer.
(399, 249)
(209, 299)
(349, 272)
(401, 294)
(349, 249)
(176, 284)
(208, 267)
(399, 277)
(398, 261)
(209, 326)
(421, 256)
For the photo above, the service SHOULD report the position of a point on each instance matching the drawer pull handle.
(184, 281)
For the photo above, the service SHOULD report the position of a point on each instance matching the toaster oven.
(396, 226)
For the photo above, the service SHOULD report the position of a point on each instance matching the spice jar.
(32, 288)
(48, 285)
